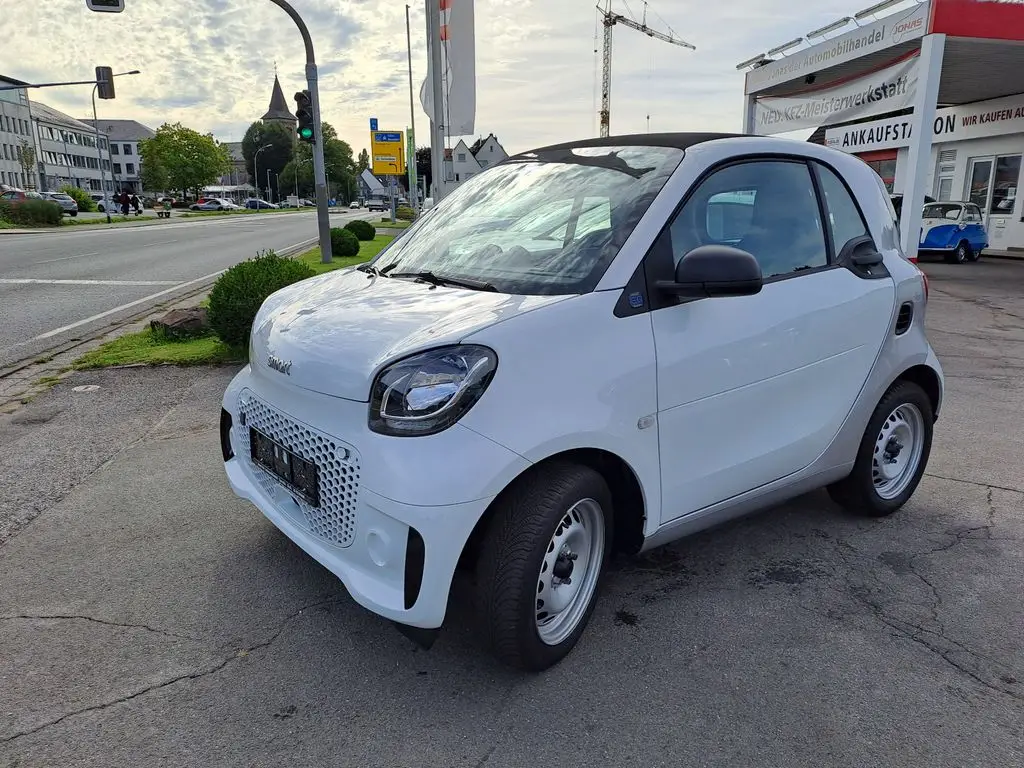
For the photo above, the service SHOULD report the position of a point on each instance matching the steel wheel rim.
(898, 450)
(961, 253)
(569, 572)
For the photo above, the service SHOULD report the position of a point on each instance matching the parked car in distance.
(21, 194)
(954, 229)
(257, 204)
(66, 202)
(607, 361)
(354, 205)
(215, 204)
(378, 204)
(104, 202)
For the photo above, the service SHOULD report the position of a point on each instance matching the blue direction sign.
(373, 123)
(379, 137)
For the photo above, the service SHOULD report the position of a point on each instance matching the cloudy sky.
(210, 63)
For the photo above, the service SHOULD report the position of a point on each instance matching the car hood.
(331, 334)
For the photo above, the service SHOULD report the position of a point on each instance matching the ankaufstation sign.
(892, 30)
(886, 90)
(983, 119)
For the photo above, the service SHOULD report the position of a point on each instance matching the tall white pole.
(411, 161)
(920, 156)
(437, 85)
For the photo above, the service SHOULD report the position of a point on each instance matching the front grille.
(337, 467)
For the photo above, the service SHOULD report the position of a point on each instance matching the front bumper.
(395, 557)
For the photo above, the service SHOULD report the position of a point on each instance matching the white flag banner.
(884, 90)
(458, 68)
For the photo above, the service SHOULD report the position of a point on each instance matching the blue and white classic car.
(954, 229)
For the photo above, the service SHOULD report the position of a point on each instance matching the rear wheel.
(893, 454)
(541, 563)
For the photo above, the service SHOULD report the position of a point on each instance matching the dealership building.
(955, 66)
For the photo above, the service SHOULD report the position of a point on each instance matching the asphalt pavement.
(63, 285)
(150, 618)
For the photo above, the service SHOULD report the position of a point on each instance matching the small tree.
(364, 161)
(27, 161)
(183, 159)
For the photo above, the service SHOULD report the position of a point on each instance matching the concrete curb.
(1008, 255)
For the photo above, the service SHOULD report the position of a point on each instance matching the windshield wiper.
(462, 282)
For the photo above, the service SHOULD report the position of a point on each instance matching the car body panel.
(311, 326)
(805, 345)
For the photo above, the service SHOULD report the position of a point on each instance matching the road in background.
(58, 286)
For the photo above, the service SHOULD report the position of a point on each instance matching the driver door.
(754, 388)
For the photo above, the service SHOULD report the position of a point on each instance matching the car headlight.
(428, 392)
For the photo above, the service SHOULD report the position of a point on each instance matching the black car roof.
(677, 140)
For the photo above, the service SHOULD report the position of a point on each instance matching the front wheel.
(893, 454)
(541, 563)
(962, 254)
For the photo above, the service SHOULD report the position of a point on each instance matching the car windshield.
(942, 211)
(547, 222)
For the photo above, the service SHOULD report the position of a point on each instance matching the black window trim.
(878, 271)
(655, 299)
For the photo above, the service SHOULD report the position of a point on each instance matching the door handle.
(867, 258)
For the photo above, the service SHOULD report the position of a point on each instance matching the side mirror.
(715, 270)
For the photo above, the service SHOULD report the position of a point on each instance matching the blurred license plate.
(294, 472)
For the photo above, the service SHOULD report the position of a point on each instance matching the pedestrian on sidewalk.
(136, 205)
(125, 201)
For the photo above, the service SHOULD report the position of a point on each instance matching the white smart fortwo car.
(606, 344)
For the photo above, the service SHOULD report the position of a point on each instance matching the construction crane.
(609, 19)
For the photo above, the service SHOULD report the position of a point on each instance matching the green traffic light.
(305, 132)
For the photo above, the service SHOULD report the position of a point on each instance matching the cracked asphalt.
(149, 618)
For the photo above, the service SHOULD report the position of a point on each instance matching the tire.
(72, 213)
(517, 564)
(962, 254)
(875, 489)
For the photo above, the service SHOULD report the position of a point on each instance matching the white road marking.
(163, 242)
(42, 281)
(66, 258)
(129, 305)
(144, 299)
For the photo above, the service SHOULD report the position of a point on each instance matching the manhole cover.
(86, 388)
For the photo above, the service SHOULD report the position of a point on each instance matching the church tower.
(279, 112)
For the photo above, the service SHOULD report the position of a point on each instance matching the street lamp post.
(99, 150)
(256, 174)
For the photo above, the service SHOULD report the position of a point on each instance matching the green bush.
(364, 230)
(239, 293)
(405, 213)
(344, 243)
(31, 212)
(85, 203)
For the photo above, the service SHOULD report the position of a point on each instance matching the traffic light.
(304, 112)
(105, 6)
(105, 82)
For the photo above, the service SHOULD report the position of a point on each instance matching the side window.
(844, 218)
(767, 208)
